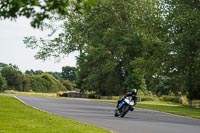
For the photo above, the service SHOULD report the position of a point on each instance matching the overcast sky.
(13, 50)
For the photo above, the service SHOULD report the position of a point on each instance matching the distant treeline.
(38, 81)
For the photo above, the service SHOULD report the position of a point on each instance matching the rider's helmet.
(134, 91)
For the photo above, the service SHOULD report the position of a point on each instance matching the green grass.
(15, 117)
(168, 107)
(172, 108)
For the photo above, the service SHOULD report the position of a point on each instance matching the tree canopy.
(39, 10)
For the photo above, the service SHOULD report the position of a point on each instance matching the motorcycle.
(124, 107)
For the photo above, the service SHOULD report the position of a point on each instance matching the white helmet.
(134, 91)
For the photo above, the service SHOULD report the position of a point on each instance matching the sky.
(14, 51)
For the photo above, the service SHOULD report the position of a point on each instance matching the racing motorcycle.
(124, 107)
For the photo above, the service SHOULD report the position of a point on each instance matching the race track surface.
(102, 115)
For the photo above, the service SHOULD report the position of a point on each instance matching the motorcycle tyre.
(116, 113)
(125, 110)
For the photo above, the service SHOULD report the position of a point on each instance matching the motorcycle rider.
(133, 93)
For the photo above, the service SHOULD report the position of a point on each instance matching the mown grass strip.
(15, 117)
(172, 108)
(168, 107)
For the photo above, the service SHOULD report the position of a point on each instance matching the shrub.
(144, 92)
(147, 98)
(68, 84)
(170, 99)
(183, 100)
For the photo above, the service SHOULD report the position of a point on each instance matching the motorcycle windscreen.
(129, 101)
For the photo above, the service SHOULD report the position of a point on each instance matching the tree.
(13, 77)
(32, 72)
(69, 73)
(184, 44)
(109, 37)
(26, 84)
(56, 75)
(3, 83)
(40, 10)
(2, 65)
(116, 33)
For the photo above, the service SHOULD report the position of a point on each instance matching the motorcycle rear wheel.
(116, 113)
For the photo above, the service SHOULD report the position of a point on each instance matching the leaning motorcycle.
(124, 107)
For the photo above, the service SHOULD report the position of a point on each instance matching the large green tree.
(69, 73)
(117, 35)
(13, 77)
(110, 37)
(184, 45)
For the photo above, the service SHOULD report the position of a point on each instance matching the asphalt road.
(102, 115)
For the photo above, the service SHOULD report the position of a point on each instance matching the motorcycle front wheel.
(124, 111)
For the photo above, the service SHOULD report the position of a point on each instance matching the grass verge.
(15, 117)
(168, 107)
(172, 108)
(38, 94)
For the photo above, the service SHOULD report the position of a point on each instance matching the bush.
(170, 99)
(144, 92)
(147, 98)
(68, 84)
(183, 100)
(45, 83)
